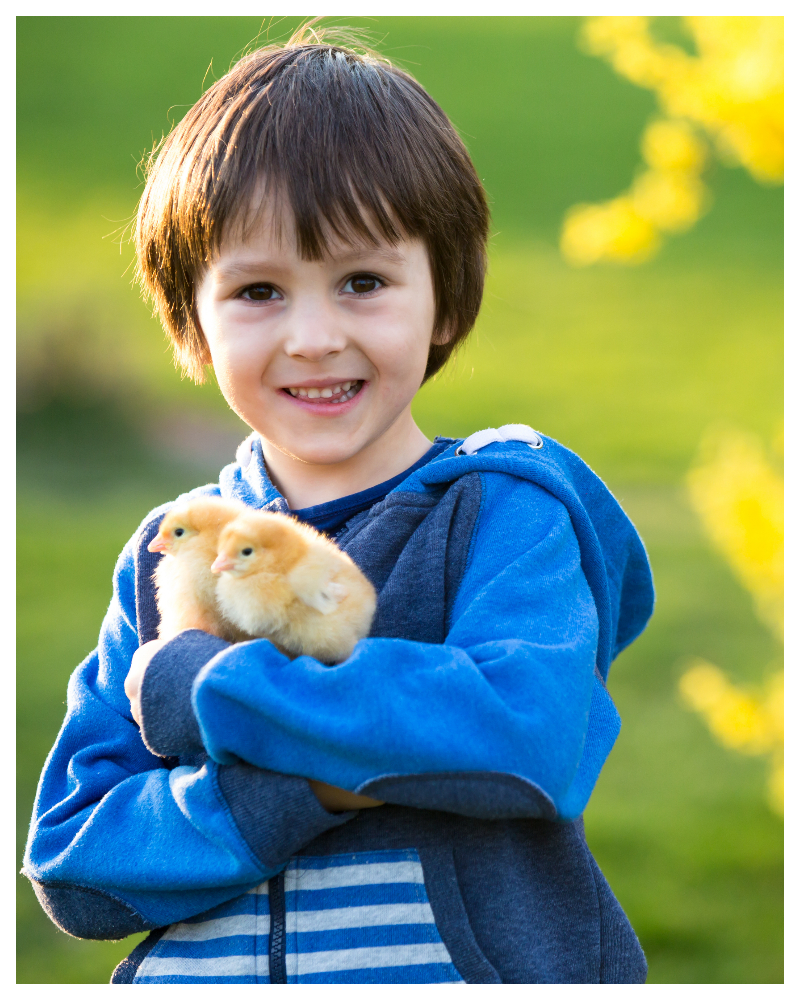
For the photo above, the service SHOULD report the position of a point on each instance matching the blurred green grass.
(628, 367)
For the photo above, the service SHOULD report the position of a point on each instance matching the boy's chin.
(325, 453)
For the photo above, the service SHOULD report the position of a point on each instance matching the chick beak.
(221, 563)
(158, 544)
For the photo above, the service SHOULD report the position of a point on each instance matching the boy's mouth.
(341, 392)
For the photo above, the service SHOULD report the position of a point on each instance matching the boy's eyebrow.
(232, 270)
(389, 254)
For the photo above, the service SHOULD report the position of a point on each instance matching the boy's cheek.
(238, 373)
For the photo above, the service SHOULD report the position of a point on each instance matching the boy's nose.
(313, 333)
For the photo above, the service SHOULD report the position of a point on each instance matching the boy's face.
(321, 358)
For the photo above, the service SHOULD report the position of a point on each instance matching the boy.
(315, 230)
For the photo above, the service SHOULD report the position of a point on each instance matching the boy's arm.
(120, 843)
(166, 721)
(507, 718)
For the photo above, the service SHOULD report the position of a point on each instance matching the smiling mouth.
(339, 393)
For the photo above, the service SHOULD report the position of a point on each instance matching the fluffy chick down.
(282, 580)
(186, 589)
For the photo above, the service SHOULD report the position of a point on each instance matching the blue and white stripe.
(350, 918)
(362, 918)
(229, 944)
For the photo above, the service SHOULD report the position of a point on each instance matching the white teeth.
(344, 391)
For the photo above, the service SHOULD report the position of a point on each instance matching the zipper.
(277, 930)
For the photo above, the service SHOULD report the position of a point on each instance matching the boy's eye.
(259, 293)
(362, 284)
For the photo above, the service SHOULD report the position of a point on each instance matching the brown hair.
(356, 146)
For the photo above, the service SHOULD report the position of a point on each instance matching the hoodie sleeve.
(119, 842)
(507, 718)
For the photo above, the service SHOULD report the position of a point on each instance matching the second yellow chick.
(284, 581)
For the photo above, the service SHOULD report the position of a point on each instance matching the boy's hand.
(335, 799)
(133, 682)
(331, 798)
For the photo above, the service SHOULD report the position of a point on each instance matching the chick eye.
(179, 532)
(247, 552)
(362, 284)
(259, 293)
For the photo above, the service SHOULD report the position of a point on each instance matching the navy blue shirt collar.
(331, 516)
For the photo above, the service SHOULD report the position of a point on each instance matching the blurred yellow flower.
(669, 200)
(673, 145)
(611, 231)
(746, 721)
(741, 720)
(732, 90)
(739, 499)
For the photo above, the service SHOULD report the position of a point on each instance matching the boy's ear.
(192, 353)
(198, 338)
(443, 335)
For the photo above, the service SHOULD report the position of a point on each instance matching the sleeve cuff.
(169, 727)
(277, 814)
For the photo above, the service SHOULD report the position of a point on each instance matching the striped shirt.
(348, 918)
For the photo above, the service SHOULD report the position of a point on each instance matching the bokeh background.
(646, 371)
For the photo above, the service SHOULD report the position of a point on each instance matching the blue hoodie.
(508, 578)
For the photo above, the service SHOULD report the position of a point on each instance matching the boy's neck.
(305, 485)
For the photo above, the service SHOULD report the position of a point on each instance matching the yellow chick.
(282, 580)
(185, 586)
